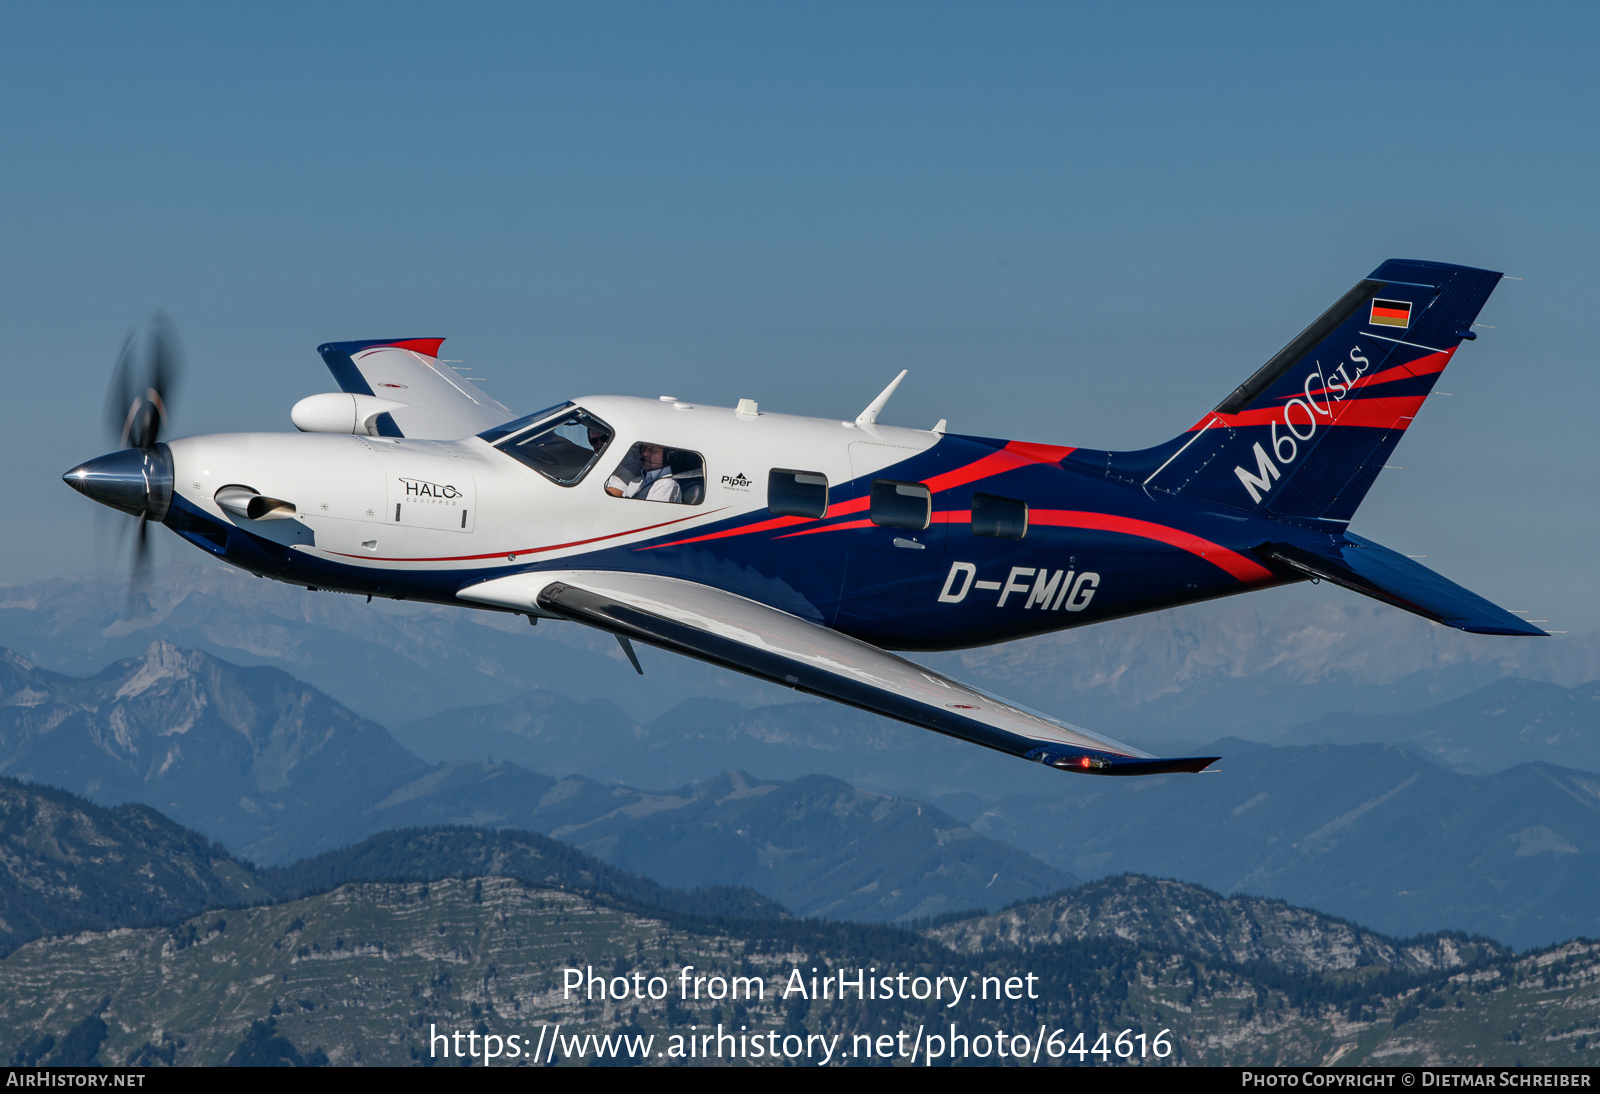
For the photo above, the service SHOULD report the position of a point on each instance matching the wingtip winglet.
(1191, 765)
(1104, 763)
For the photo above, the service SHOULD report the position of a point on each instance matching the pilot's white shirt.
(657, 485)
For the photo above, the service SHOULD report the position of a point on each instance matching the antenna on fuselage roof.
(869, 416)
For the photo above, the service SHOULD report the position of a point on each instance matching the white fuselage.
(413, 505)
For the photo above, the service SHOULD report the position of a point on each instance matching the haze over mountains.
(1379, 832)
(71, 865)
(276, 770)
(1505, 723)
(1253, 666)
(1372, 832)
(1428, 815)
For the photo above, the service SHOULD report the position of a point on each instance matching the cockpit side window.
(658, 472)
(563, 448)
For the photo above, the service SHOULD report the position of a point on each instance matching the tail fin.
(1305, 436)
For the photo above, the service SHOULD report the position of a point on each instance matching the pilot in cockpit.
(655, 472)
(645, 474)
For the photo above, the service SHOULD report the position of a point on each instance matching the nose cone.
(137, 481)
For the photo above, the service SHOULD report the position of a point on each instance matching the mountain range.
(354, 971)
(250, 756)
(1503, 724)
(1374, 832)
(275, 771)
(71, 865)
(362, 954)
(1253, 667)
(1414, 806)
(1508, 722)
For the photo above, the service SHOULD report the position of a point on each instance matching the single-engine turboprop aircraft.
(800, 550)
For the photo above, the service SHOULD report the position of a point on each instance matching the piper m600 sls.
(801, 550)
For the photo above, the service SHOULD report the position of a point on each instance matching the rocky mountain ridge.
(66, 864)
(370, 972)
(351, 956)
(1240, 930)
(251, 756)
(276, 771)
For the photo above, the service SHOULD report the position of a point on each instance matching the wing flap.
(438, 404)
(737, 633)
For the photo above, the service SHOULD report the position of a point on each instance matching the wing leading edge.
(734, 632)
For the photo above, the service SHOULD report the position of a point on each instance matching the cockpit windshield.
(562, 448)
(499, 431)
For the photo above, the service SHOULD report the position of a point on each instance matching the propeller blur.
(137, 479)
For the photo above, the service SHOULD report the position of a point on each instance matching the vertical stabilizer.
(1305, 436)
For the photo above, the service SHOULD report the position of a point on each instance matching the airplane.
(803, 550)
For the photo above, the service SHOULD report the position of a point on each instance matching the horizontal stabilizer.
(1367, 568)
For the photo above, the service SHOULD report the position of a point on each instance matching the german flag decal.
(1391, 313)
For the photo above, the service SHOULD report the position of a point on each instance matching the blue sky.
(1073, 224)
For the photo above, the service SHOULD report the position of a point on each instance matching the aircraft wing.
(438, 403)
(741, 634)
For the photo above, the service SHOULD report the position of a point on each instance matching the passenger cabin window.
(656, 472)
(563, 448)
(1001, 518)
(901, 504)
(797, 493)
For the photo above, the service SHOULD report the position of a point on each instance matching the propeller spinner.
(137, 479)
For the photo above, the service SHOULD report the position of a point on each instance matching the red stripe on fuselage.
(1240, 566)
(749, 529)
(1039, 453)
(829, 528)
(1015, 454)
(1232, 562)
(524, 550)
